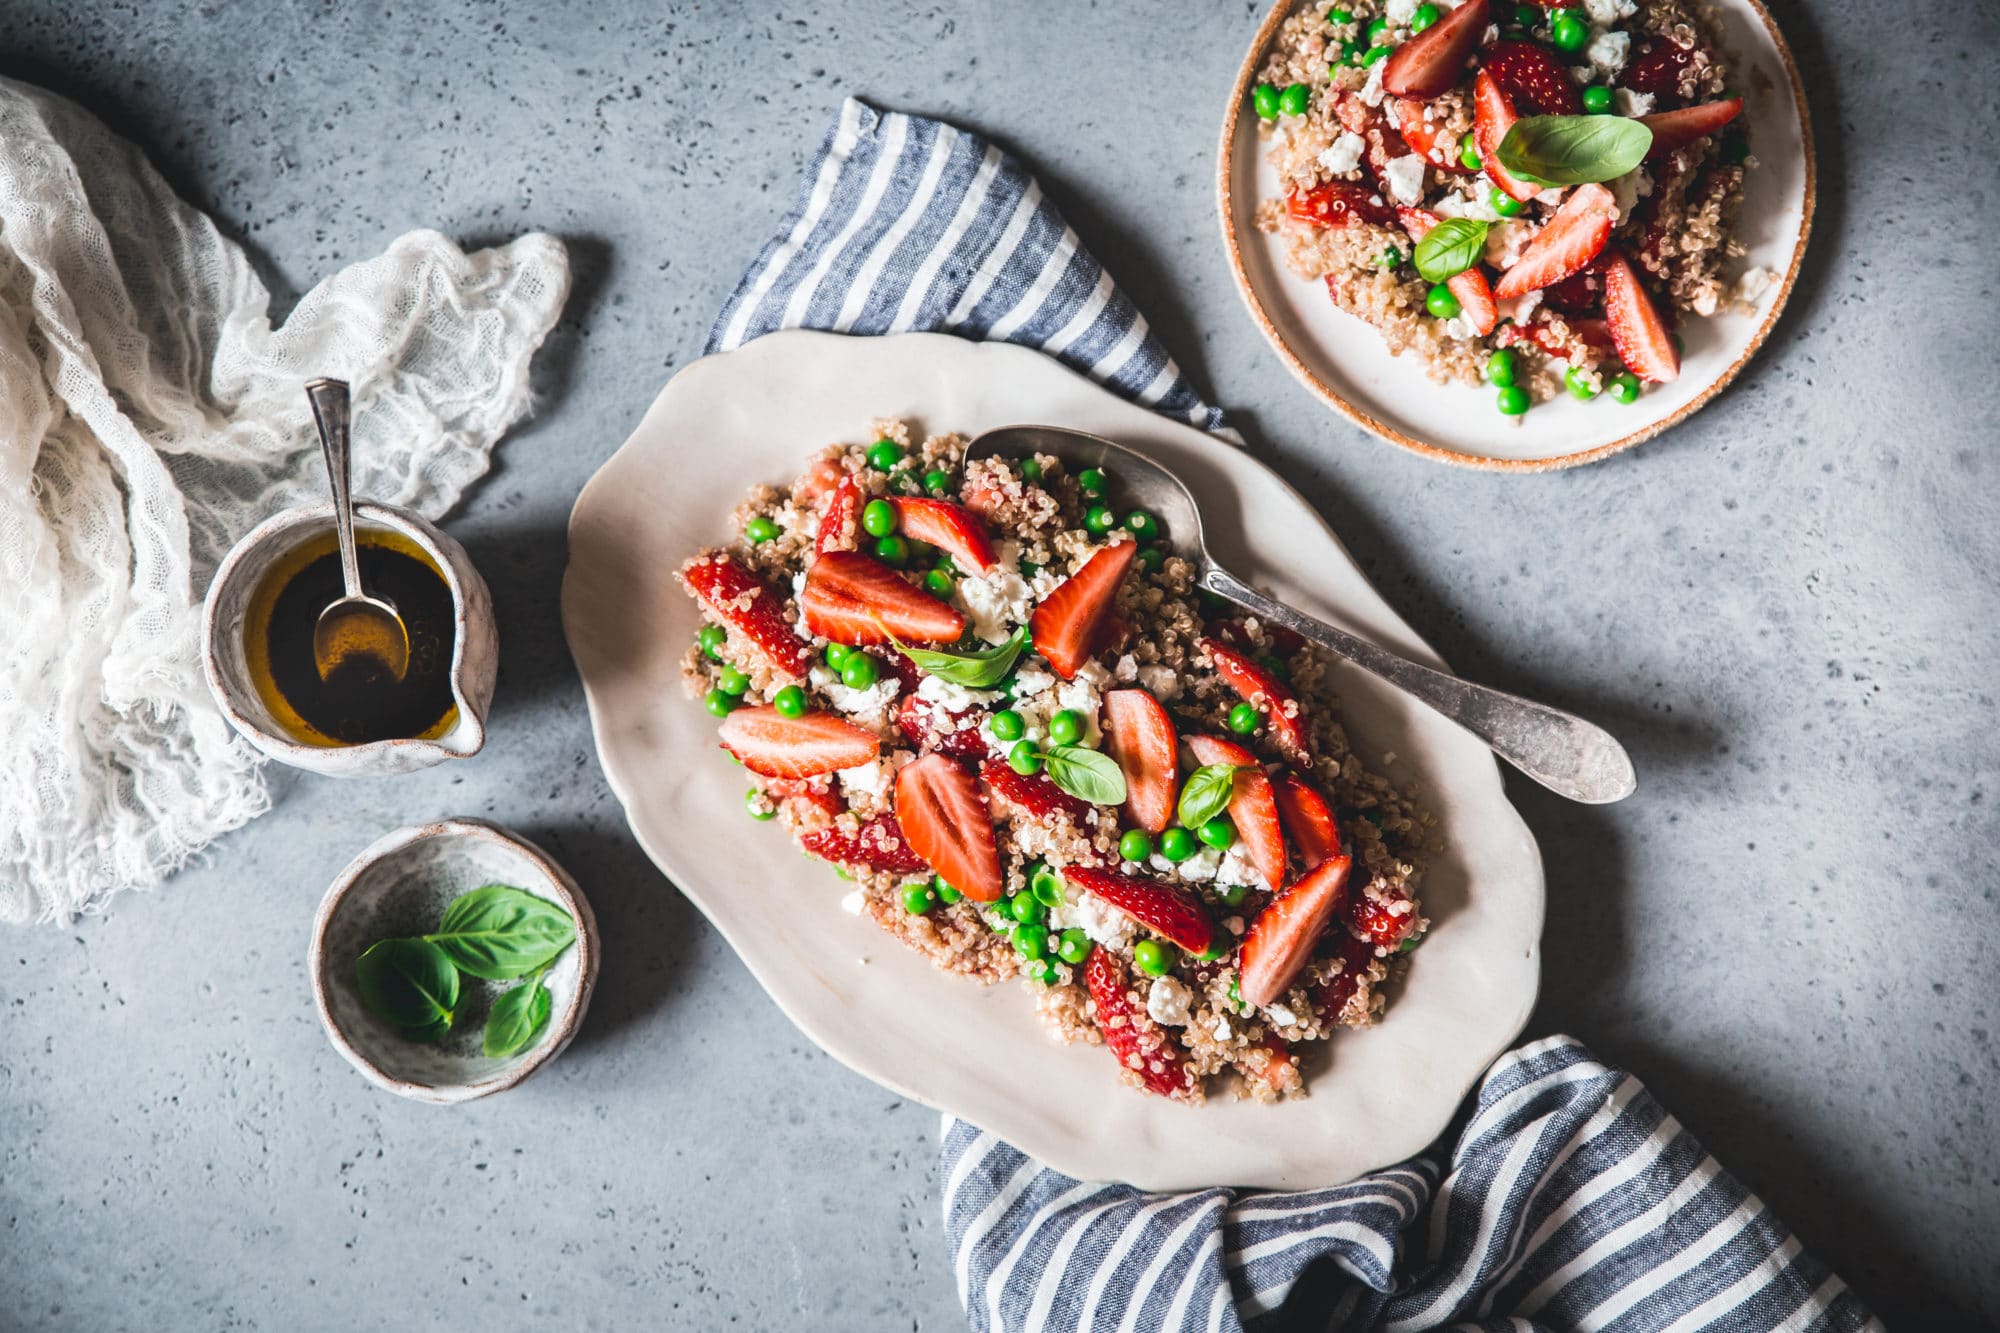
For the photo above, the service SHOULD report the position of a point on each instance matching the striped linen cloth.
(1573, 1200)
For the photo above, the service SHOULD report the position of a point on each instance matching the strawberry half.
(1474, 293)
(1422, 135)
(1386, 921)
(1336, 204)
(1281, 939)
(1331, 996)
(1644, 344)
(1280, 706)
(1493, 115)
(1675, 129)
(1566, 245)
(1252, 807)
(840, 525)
(1068, 623)
(877, 844)
(1140, 736)
(740, 600)
(1134, 1038)
(1429, 63)
(1307, 818)
(1657, 70)
(775, 746)
(1165, 909)
(946, 822)
(947, 526)
(918, 720)
(856, 599)
(1032, 792)
(1532, 77)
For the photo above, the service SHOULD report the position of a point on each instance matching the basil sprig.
(517, 1019)
(974, 671)
(1206, 794)
(1574, 150)
(411, 984)
(1450, 248)
(499, 932)
(1089, 775)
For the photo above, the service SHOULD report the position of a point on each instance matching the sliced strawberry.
(1431, 62)
(1386, 921)
(1566, 245)
(1336, 204)
(1165, 909)
(947, 526)
(840, 525)
(856, 599)
(1139, 1043)
(1532, 78)
(1281, 939)
(1423, 136)
(1657, 70)
(1140, 736)
(946, 822)
(1493, 115)
(920, 721)
(740, 600)
(1307, 818)
(1281, 707)
(775, 746)
(878, 844)
(1581, 293)
(1644, 344)
(1032, 792)
(1252, 807)
(1674, 129)
(1068, 623)
(1332, 995)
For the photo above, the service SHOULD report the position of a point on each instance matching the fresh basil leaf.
(1574, 150)
(410, 983)
(1089, 775)
(1450, 248)
(517, 1018)
(974, 671)
(1206, 794)
(500, 932)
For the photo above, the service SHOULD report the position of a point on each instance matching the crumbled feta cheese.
(1222, 1031)
(871, 777)
(1505, 240)
(1608, 51)
(1236, 867)
(1398, 12)
(1625, 190)
(1031, 680)
(1552, 196)
(871, 702)
(851, 904)
(1520, 307)
(1163, 682)
(1645, 179)
(1081, 696)
(1371, 91)
(1461, 328)
(1197, 868)
(1167, 1002)
(1282, 1016)
(1750, 288)
(1604, 13)
(1458, 206)
(999, 599)
(1343, 154)
(1087, 912)
(954, 698)
(1126, 671)
(1405, 178)
(1628, 103)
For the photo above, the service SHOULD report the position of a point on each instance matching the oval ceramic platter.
(754, 416)
(1341, 359)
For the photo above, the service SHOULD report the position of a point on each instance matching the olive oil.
(358, 701)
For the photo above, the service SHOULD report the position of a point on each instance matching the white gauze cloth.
(150, 415)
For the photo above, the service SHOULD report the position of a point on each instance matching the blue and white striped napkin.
(1573, 1200)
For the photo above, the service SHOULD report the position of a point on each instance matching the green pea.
(1155, 958)
(1468, 155)
(731, 681)
(1031, 942)
(719, 703)
(1066, 727)
(1233, 895)
(1441, 302)
(1424, 16)
(1142, 525)
(1025, 759)
(1092, 481)
(937, 481)
(939, 583)
(892, 550)
(1374, 31)
(760, 529)
(1294, 100)
(1389, 258)
(945, 892)
(765, 811)
(1374, 54)
(1338, 17)
(1073, 946)
(1597, 99)
(1219, 947)
(1626, 388)
(1031, 469)
(1577, 381)
(711, 639)
(836, 655)
(1513, 400)
(1177, 844)
(1568, 31)
(1245, 718)
(1027, 909)
(1100, 519)
(859, 671)
(883, 455)
(1506, 205)
(878, 518)
(918, 898)
(1501, 368)
(1151, 559)
(1047, 887)
(1136, 845)
(1218, 833)
(1265, 99)
(1526, 16)
(1044, 972)
(1350, 54)
(1008, 725)
(1028, 568)
(790, 701)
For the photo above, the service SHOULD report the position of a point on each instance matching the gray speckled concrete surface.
(1786, 606)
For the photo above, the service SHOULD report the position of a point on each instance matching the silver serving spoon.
(1564, 753)
(356, 625)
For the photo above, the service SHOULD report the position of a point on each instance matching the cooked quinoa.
(1094, 969)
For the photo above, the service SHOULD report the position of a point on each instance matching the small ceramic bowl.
(399, 887)
(226, 651)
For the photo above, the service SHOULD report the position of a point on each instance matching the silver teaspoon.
(1564, 753)
(356, 625)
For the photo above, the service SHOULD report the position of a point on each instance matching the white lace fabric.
(149, 415)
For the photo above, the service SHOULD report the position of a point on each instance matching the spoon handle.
(330, 413)
(1564, 753)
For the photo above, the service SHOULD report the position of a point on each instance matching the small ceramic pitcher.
(475, 649)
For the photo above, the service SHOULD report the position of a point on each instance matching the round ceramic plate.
(1340, 358)
(754, 416)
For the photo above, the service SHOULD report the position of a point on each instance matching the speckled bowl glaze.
(400, 887)
(475, 652)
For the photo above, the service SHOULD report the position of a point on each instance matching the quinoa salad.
(996, 705)
(1521, 195)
